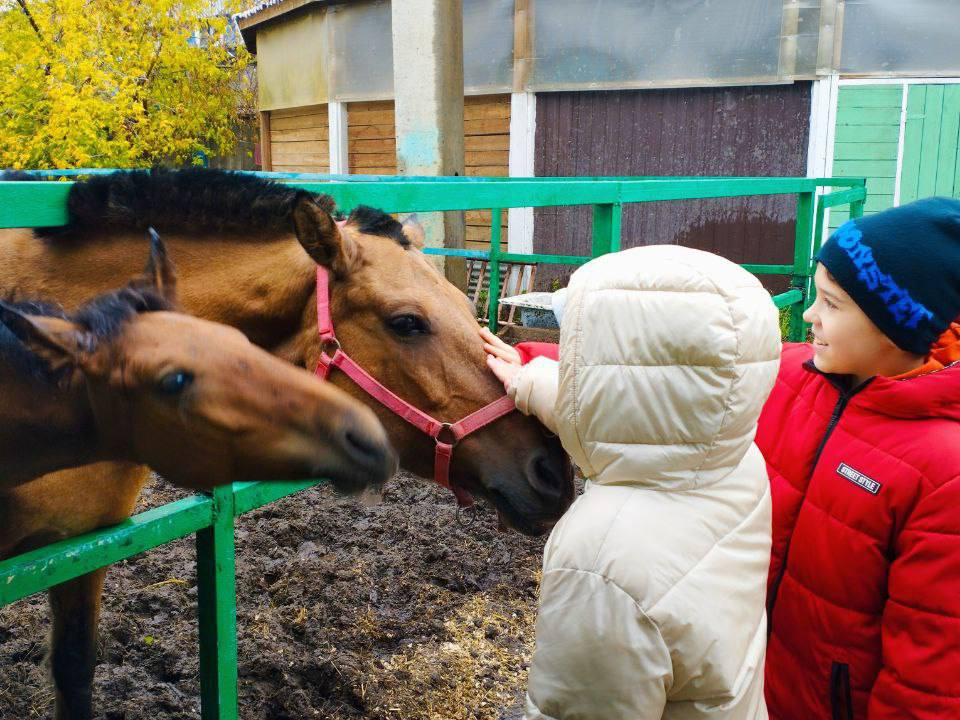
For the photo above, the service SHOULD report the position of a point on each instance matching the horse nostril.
(544, 478)
(363, 449)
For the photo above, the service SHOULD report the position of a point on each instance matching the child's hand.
(502, 359)
(498, 348)
(505, 372)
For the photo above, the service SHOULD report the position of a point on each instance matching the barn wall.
(372, 148)
(371, 138)
(866, 143)
(745, 131)
(299, 140)
(291, 62)
(486, 142)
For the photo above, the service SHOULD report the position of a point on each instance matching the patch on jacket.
(858, 478)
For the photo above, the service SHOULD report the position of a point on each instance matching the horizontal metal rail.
(42, 204)
(59, 562)
(333, 177)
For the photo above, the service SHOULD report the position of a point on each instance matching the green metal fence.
(211, 517)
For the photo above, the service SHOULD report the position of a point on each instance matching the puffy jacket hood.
(667, 356)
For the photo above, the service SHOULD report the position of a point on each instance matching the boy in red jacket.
(862, 440)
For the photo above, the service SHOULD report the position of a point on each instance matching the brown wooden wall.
(486, 119)
(486, 142)
(300, 144)
(744, 131)
(371, 138)
(299, 140)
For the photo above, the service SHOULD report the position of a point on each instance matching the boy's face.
(845, 340)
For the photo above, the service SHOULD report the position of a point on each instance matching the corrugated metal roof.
(257, 8)
(270, 10)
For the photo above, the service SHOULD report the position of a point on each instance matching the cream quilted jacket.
(652, 599)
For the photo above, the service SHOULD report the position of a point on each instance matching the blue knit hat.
(902, 267)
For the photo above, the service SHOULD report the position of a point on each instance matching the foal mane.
(371, 221)
(103, 317)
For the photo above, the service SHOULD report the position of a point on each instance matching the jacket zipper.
(840, 694)
(842, 402)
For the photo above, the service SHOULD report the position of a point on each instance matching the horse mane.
(192, 200)
(371, 221)
(103, 317)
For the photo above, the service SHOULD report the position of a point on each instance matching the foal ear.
(58, 342)
(160, 273)
(414, 232)
(321, 237)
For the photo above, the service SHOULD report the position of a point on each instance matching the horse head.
(414, 332)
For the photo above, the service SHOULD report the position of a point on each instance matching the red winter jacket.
(864, 585)
(529, 350)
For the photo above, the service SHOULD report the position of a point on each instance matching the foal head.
(195, 400)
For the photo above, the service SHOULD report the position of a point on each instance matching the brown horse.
(247, 250)
(125, 379)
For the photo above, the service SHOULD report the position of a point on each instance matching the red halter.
(452, 433)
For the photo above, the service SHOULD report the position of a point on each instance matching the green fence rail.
(211, 517)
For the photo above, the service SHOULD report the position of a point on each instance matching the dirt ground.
(393, 611)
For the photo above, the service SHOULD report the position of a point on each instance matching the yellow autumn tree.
(118, 83)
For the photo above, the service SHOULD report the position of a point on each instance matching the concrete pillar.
(428, 91)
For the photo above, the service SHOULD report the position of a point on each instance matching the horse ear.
(414, 232)
(58, 342)
(321, 237)
(160, 273)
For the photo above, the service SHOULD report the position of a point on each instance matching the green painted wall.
(867, 140)
(930, 148)
(867, 136)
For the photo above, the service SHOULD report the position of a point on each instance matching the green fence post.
(496, 220)
(802, 248)
(217, 611)
(856, 208)
(606, 228)
(810, 293)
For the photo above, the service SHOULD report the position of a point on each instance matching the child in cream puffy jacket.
(652, 599)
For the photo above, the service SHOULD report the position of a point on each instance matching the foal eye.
(175, 382)
(408, 325)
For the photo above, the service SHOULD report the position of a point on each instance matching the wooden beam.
(266, 156)
(522, 43)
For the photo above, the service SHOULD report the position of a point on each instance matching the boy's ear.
(58, 342)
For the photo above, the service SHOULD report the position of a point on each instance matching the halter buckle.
(329, 346)
(446, 435)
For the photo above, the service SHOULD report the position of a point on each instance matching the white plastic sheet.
(488, 45)
(891, 37)
(632, 43)
(361, 51)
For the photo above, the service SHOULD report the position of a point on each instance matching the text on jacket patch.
(858, 478)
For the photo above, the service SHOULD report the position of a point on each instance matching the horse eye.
(408, 325)
(175, 382)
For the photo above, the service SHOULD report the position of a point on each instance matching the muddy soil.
(394, 611)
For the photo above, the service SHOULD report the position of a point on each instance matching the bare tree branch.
(29, 16)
